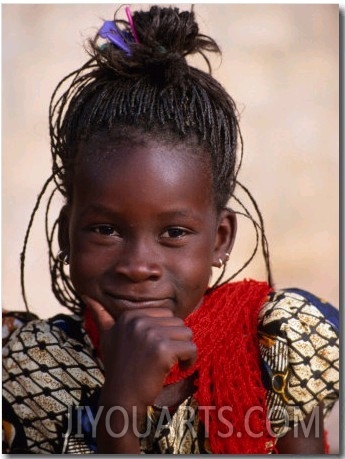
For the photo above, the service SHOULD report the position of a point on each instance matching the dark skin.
(296, 442)
(143, 234)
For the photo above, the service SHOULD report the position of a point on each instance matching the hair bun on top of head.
(152, 44)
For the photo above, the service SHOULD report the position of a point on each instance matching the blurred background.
(280, 65)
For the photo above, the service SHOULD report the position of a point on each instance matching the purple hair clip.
(113, 34)
(119, 38)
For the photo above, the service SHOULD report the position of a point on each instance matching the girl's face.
(142, 228)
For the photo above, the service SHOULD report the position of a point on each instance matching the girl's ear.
(63, 233)
(226, 234)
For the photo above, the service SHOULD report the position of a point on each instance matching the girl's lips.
(131, 302)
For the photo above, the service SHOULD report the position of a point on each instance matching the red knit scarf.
(228, 368)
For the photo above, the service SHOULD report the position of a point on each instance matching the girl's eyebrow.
(182, 213)
(186, 213)
(97, 209)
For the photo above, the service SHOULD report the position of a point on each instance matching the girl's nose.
(139, 263)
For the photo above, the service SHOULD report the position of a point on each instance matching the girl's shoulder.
(31, 342)
(12, 321)
(49, 366)
(16, 324)
(294, 303)
(299, 346)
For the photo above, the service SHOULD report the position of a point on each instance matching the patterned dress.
(52, 379)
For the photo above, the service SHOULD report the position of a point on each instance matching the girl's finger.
(186, 353)
(103, 319)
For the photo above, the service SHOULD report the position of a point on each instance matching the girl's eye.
(105, 230)
(174, 233)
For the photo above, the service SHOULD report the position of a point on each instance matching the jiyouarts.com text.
(164, 419)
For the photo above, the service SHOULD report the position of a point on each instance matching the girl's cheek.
(90, 262)
(84, 270)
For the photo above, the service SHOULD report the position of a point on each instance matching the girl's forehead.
(102, 154)
(156, 170)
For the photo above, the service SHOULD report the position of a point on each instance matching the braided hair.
(139, 83)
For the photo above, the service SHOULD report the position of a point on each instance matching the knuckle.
(163, 348)
(192, 348)
(152, 335)
(132, 323)
(188, 332)
(138, 324)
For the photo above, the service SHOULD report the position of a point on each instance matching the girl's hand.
(307, 437)
(138, 351)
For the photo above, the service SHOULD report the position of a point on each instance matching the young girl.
(157, 357)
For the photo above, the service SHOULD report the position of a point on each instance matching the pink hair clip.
(130, 20)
